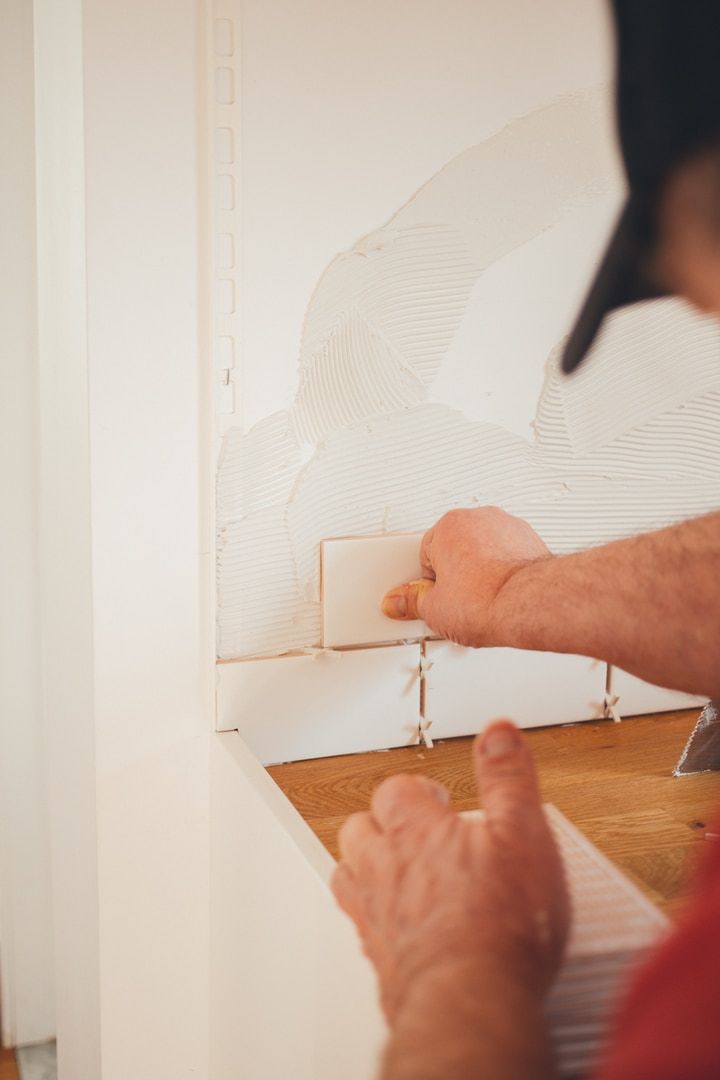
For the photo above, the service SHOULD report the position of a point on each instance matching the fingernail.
(437, 791)
(394, 604)
(500, 741)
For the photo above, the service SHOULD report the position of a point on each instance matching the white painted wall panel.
(467, 688)
(292, 995)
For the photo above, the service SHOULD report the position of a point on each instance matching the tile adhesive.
(629, 443)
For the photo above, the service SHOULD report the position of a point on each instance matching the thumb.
(507, 781)
(402, 802)
(407, 601)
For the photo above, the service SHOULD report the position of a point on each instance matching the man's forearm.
(450, 1030)
(650, 604)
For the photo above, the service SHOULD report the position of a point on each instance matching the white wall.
(26, 961)
(419, 193)
(348, 109)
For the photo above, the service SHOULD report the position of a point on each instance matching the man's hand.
(447, 906)
(648, 604)
(466, 559)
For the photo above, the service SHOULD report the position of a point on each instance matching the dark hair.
(668, 89)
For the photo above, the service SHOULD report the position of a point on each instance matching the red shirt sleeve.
(669, 1025)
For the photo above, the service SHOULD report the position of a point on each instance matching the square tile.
(292, 707)
(356, 574)
(467, 688)
(637, 697)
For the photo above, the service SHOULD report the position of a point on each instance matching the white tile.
(637, 697)
(467, 688)
(293, 707)
(356, 574)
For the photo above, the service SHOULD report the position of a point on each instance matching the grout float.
(628, 443)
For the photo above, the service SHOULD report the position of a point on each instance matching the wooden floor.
(614, 781)
(8, 1068)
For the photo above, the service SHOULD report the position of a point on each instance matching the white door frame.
(126, 562)
(26, 948)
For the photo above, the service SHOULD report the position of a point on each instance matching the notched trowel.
(702, 750)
